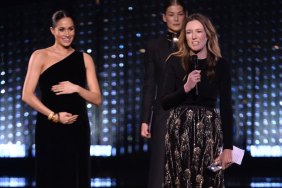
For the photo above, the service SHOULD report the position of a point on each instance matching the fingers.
(57, 88)
(67, 118)
(146, 135)
(145, 132)
(61, 88)
(226, 165)
(69, 121)
(197, 72)
(227, 158)
(72, 119)
(195, 76)
(217, 160)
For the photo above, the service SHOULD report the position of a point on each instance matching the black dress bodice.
(71, 69)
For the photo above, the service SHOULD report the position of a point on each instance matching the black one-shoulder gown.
(62, 151)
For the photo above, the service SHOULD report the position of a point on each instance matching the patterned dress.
(193, 140)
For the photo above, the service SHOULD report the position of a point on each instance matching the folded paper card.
(237, 155)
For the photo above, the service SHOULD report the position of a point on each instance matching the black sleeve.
(173, 94)
(226, 104)
(149, 84)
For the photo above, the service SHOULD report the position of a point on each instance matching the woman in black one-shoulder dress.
(62, 133)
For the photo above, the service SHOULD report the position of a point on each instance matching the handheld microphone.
(195, 63)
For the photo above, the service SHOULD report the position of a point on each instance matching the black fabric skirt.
(193, 140)
(62, 155)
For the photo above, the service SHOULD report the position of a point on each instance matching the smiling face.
(64, 32)
(174, 17)
(196, 37)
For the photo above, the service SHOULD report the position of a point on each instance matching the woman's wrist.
(77, 88)
(186, 88)
(55, 117)
(51, 114)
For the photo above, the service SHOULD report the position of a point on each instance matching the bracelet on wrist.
(55, 118)
(50, 116)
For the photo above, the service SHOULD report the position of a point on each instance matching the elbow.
(95, 99)
(24, 97)
(98, 101)
(27, 97)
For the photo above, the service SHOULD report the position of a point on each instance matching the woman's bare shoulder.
(87, 56)
(87, 59)
(40, 53)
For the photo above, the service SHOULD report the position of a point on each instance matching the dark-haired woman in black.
(153, 116)
(62, 132)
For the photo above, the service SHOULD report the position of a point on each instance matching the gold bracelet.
(50, 116)
(54, 119)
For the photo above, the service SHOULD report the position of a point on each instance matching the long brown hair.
(213, 50)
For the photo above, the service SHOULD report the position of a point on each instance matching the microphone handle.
(196, 68)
